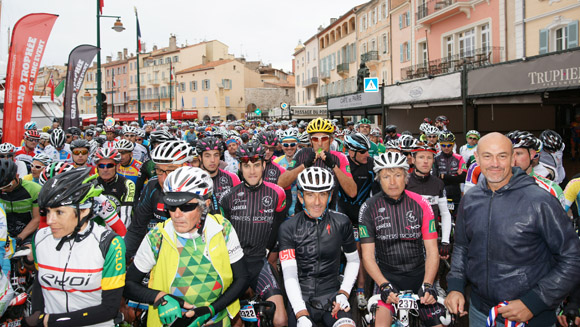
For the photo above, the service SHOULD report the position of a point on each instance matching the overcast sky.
(258, 29)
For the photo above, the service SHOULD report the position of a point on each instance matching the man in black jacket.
(513, 242)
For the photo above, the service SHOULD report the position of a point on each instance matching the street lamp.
(118, 27)
(87, 96)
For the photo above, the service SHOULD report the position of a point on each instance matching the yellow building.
(373, 38)
(306, 72)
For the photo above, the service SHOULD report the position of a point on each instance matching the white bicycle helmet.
(44, 136)
(172, 152)
(315, 179)
(107, 153)
(192, 180)
(6, 148)
(423, 127)
(390, 160)
(42, 158)
(289, 133)
(124, 145)
(130, 130)
(57, 138)
(30, 125)
(304, 138)
(432, 130)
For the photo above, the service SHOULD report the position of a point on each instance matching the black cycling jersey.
(223, 181)
(364, 178)
(398, 228)
(316, 244)
(147, 172)
(18, 205)
(149, 211)
(453, 168)
(121, 192)
(430, 187)
(272, 172)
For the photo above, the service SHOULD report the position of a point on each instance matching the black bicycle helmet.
(522, 139)
(552, 141)
(7, 171)
(391, 129)
(208, 144)
(268, 138)
(161, 136)
(446, 137)
(57, 138)
(251, 149)
(357, 142)
(73, 187)
(80, 143)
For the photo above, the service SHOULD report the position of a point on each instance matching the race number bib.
(247, 313)
(451, 206)
(407, 304)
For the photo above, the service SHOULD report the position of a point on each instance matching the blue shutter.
(193, 104)
(408, 18)
(347, 58)
(572, 35)
(206, 102)
(543, 41)
(400, 21)
(227, 101)
(409, 50)
(338, 56)
(401, 52)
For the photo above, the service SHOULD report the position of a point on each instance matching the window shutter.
(193, 104)
(408, 17)
(379, 9)
(543, 41)
(206, 102)
(361, 23)
(400, 21)
(376, 14)
(227, 101)
(338, 56)
(347, 58)
(572, 35)
(408, 50)
(401, 52)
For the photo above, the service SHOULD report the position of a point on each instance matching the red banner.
(29, 38)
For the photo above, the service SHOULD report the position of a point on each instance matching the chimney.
(320, 28)
(172, 43)
(109, 59)
(332, 20)
(119, 55)
(125, 51)
(155, 48)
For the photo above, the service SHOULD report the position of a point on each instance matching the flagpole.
(170, 83)
(99, 89)
(138, 74)
(113, 92)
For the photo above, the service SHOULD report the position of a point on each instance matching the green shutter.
(572, 35)
(543, 41)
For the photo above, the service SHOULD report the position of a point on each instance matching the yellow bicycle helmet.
(320, 125)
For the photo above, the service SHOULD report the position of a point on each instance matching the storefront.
(367, 105)
(157, 116)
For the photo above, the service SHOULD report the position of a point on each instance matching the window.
(562, 34)
(193, 104)
(175, 58)
(205, 102)
(181, 87)
(561, 39)
(466, 43)
(191, 86)
(308, 94)
(167, 60)
(298, 81)
(374, 17)
(405, 52)
(404, 20)
(364, 22)
(163, 91)
(308, 57)
(227, 101)
(449, 47)
(227, 83)
(385, 43)
(205, 85)
(124, 69)
(131, 79)
(373, 45)
(384, 10)
(423, 52)
(485, 41)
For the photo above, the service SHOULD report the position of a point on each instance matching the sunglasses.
(80, 152)
(362, 151)
(187, 207)
(270, 148)
(139, 140)
(68, 136)
(472, 138)
(130, 135)
(160, 171)
(253, 159)
(288, 145)
(320, 138)
(432, 136)
(448, 145)
(407, 153)
(10, 155)
(37, 166)
(32, 140)
(106, 166)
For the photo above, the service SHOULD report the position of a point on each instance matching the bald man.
(513, 242)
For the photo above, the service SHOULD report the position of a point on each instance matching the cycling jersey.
(80, 284)
(140, 153)
(554, 160)
(291, 196)
(364, 177)
(24, 155)
(18, 205)
(223, 181)
(131, 171)
(398, 228)
(147, 171)
(374, 150)
(466, 151)
(109, 144)
(121, 192)
(572, 194)
(551, 187)
(472, 176)
(148, 212)
(273, 171)
(451, 166)
(316, 245)
(432, 189)
(256, 215)
(64, 155)
(4, 243)
(340, 160)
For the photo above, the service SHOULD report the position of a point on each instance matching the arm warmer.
(350, 271)
(236, 289)
(37, 298)
(107, 310)
(290, 272)
(445, 219)
(278, 219)
(135, 290)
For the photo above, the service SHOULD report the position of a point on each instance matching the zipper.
(488, 242)
(318, 261)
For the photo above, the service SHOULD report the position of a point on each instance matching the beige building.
(543, 26)
(373, 38)
(306, 71)
(337, 46)
(87, 99)
(115, 83)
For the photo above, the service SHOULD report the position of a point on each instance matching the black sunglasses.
(187, 207)
(103, 166)
(253, 159)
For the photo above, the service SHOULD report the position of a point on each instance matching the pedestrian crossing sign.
(371, 84)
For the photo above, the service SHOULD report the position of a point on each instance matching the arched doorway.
(206, 118)
(231, 117)
(251, 107)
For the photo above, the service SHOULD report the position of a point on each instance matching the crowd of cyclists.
(188, 218)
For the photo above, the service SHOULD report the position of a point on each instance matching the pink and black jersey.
(398, 228)
(256, 215)
(453, 167)
(223, 181)
(273, 171)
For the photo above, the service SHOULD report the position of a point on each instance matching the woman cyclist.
(81, 265)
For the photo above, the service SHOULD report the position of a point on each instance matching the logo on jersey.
(411, 216)
(160, 207)
(272, 172)
(223, 180)
(432, 228)
(348, 168)
(381, 210)
(267, 201)
(292, 164)
(288, 254)
(241, 194)
(362, 230)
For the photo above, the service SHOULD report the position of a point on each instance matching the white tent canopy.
(43, 110)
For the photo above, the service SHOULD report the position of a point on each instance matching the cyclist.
(110, 137)
(303, 141)
(375, 137)
(150, 209)
(398, 224)
(290, 147)
(311, 244)
(320, 131)
(432, 136)
(39, 161)
(118, 189)
(432, 189)
(7, 152)
(139, 152)
(553, 153)
(364, 127)
(362, 172)
(19, 199)
(232, 144)
(256, 208)
(148, 167)
(391, 133)
(43, 142)
(210, 150)
(129, 167)
(467, 150)
(26, 152)
(81, 265)
(58, 150)
(524, 144)
(80, 149)
(195, 258)
(450, 167)
(273, 170)
(407, 143)
(441, 123)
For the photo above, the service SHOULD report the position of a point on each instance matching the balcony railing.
(369, 56)
(320, 100)
(325, 74)
(311, 82)
(429, 7)
(342, 68)
(471, 59)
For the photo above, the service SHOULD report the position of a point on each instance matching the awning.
(355, 101)
(559, 71)
(440, 88)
